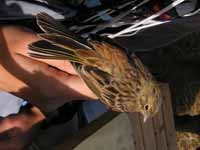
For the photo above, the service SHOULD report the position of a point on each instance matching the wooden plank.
(168, 118)
(148, 134)
(137, 131)
(159, 130)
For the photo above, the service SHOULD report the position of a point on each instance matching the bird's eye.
(146, 107)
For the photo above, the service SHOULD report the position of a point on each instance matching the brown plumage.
(120, 82)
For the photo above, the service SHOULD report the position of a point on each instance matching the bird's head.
(150, 101)
(147, 101)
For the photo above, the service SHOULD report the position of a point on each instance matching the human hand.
(44, 83)
(17, 131)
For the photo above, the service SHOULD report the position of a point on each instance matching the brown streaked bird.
(124, 84)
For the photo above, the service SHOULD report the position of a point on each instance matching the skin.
(33, 79)
(18, 130)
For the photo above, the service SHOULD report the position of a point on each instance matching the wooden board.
(137, 130)
(168, 119)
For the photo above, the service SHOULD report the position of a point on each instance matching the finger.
(63, 65)
(13, 139)
(71, 82)
(20, 46)
(23, 121)
(50, 87)
(5, 125)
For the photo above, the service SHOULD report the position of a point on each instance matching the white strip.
(193, 13)
(127, 30)
(140, 4)
(97, 15)
(108, 12)
(119, 17)
(133, 31)
(143, 27)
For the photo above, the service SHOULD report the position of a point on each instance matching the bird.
(119, 80)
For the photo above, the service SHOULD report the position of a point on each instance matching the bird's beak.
(145, 117)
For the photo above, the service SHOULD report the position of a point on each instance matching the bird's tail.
(58, 43)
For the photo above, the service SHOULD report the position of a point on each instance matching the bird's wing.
(49, 25)
(46, 50)
(64, 45)
(116, 58)
(58, 43)
(99, 82)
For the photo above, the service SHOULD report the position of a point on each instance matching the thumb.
(7, 123)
